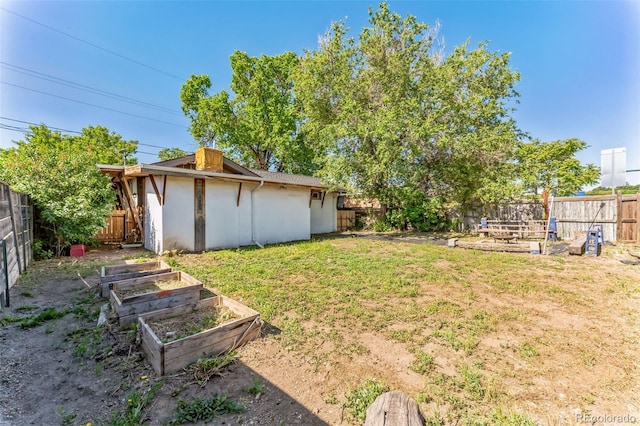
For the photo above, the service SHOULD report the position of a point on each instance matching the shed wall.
(281, 214)
(324, 216)
(228, 222)
(178, 213)
(152, 220)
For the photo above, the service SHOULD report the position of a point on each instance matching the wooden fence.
(16, 238)
(618, 214)
(346, 220)
(115, 228)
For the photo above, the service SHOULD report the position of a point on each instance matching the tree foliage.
(258, 125)
(401, 122)
(107, 147)
(59, 173)
(171, 153)
(554, 167)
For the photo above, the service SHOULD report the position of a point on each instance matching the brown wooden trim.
(619, 216)
(129, 196)
(586, 198)
(199, 215)
(164, 190)
(638, 217)
(239, 191)
(155, 189)
(585, 220)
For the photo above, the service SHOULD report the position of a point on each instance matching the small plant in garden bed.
(151, 287)
(205, 409)
(174, 328)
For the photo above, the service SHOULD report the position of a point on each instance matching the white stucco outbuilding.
(204, 201)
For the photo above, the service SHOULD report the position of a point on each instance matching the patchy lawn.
(475, 337)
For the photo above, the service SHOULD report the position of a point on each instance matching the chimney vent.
(209, 159)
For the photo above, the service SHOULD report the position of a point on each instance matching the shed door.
(199, 215)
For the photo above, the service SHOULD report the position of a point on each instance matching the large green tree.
(171, 153)
(106, 146)
(553, 166)
(59, 173)
(258, 124)
(404, 123)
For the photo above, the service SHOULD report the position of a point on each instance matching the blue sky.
(579, 61)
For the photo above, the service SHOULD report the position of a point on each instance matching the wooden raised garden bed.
(130, 270)
(136, 296)
(218, 324)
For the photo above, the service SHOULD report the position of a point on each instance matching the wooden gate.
(628, 220)
(346, 220)
(115, 228)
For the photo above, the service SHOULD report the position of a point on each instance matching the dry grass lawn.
(475, 337)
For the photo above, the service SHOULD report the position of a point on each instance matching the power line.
(93, 45)
(93, 105)
(85, 88)
(65, 130)
(36, 124)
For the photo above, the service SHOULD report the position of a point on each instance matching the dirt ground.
(65, 372)
(46, 378)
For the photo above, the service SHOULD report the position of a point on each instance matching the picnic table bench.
(507, 230)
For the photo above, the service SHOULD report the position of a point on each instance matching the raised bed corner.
(127, 271)
(129, 307)
(170, 357)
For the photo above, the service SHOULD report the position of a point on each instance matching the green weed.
(510, 418)
(67, 416)
(26, 308)
(256, 386)
(44, 316)
(206, 368)
(132, 414)
(423, 363)
(359, 399)
(471, 382)
(204, 409)
(528, 351)
(27, 293)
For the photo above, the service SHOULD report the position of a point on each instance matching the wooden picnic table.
(514, 230)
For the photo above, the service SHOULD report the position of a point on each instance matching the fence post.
(638, 217)
(13, 226)
(619, 216)
(5, 267)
